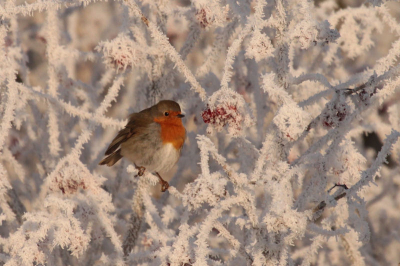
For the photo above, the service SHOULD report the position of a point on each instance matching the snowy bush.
(277, 168)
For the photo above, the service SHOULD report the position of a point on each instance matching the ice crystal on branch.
(326, 34)
(121, 53)
(335, 112)
(204, 190)
(291, 113)
(209, 14)
(260, 47)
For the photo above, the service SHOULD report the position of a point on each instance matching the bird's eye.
(166, 114)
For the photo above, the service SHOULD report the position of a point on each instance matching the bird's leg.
(164, 184)
(141, 170)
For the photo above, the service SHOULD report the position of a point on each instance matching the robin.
(152, 140)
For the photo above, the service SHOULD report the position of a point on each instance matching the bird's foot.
(141, 170)
(164, 184)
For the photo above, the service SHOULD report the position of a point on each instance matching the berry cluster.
(222, 115)
(67, 185)
(334, 115)
(120, 62)
(201, 16)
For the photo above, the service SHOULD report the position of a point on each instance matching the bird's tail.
(111, 159)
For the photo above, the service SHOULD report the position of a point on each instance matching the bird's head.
(167, 112)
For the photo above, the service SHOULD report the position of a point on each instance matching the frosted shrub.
(279, 97)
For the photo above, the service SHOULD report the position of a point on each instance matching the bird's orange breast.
(172, 131)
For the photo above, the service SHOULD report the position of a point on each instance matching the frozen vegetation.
(292, 115)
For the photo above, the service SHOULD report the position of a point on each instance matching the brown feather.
(111, 159)
(122, 136)
(135, 125)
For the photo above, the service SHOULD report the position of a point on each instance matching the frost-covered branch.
(292, 116)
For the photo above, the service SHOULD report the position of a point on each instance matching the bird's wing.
(135, 125)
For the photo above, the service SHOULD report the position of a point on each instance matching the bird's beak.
(180, 115)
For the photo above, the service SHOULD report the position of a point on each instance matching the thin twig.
(318, 210)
